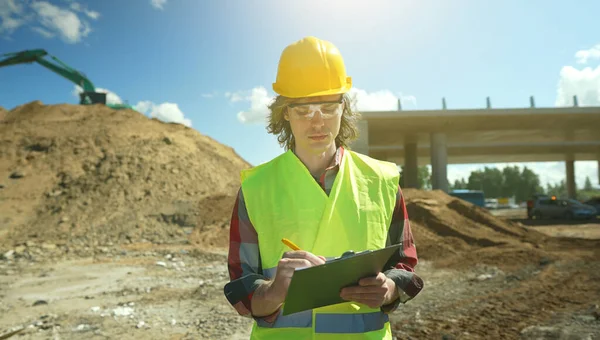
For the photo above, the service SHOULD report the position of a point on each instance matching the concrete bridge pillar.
(411, 166)
(570, 182)
(439, 162)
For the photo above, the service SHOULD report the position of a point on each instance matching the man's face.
(315, 122)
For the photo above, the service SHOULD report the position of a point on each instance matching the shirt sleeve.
(401, 267)
(243, 263)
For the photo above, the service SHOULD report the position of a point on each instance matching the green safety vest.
(284, 201)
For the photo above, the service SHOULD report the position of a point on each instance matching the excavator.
(89, 95)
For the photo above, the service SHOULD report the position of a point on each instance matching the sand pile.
(84, 175)
(456, 233)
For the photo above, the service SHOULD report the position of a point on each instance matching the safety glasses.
(306, 111)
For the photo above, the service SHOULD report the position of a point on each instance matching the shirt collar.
(337, 159)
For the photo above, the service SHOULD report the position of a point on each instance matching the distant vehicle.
(473, 196)
(551, 207)
(503, 203)
(491, 203)
(531, 203)
(594, 202)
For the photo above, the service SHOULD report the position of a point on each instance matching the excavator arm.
(89, 95)
(58, 67)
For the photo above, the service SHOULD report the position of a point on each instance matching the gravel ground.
(167, 294)
(144, 291)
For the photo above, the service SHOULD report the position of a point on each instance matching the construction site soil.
(115, 226)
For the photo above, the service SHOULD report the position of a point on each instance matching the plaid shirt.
(244, 279)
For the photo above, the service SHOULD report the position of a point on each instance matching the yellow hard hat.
(311, 67)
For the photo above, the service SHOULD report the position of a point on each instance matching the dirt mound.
(84, 175)
(212, 228)
(2, 113)
(88, 176)
(461, 234)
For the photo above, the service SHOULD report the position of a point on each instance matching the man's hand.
(269, 296)
(372, 291)
(286, 267)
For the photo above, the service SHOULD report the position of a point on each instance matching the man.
(325, 198)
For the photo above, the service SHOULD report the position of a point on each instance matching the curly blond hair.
(277, 125)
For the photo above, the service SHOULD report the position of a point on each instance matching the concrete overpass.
(455, 136)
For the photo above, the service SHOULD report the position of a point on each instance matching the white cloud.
(238, 96)
(584, 83)
(166, 112)
(548, 172)
(144, 106)
(11, 16)
(62, 21)
(210, 95)
(383, 100)
(78, 8)
(111, 97)
(584, 56)
(259, 100)
(92, 14)
(49, 20)
(43, 32)
(408, 101)
(158, 4)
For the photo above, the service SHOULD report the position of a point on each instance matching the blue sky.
(210, 64)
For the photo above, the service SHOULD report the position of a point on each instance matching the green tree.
(588, 184)
(508, 182)
(423, 176)
(492, 182)
(459, 184)
(475, 180)
(511, 181)
(558, 190)
(530, 184)
(489, 180)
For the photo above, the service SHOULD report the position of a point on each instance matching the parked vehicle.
(491, 203)
(473, 196)
(531, 203)
(551, 207)
(594, 202)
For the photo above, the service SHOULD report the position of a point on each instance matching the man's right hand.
(269, 296)
(286, 267)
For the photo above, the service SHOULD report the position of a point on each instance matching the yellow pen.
(290, 244)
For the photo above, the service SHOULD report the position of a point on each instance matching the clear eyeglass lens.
(307, 111)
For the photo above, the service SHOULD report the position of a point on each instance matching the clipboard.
(320, 286)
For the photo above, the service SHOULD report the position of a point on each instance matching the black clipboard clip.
(347, 254)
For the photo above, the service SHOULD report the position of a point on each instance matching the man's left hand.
(372, 291)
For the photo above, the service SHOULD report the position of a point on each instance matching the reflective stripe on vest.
(284, 200)
(331, 322)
